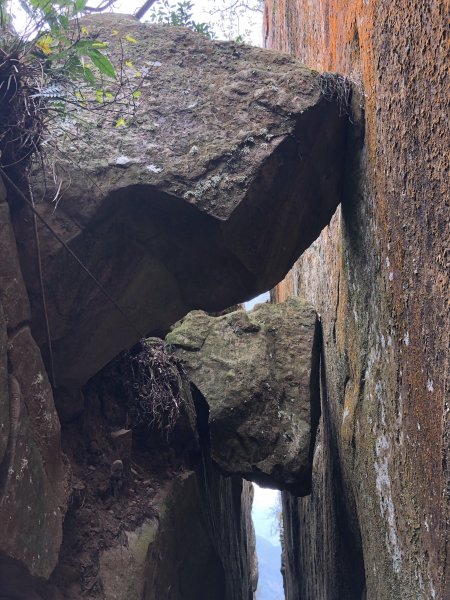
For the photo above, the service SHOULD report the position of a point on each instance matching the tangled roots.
(154, 386)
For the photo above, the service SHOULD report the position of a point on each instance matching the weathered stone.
(377, 525)
(69, 403)
(259, 373)
(202, 538)
(234, 166)
(3, 194)
(29, 512)
(13, 294)
(4, 396)
(35, 495)
(122, 568)
(28, 368)
(32, 476)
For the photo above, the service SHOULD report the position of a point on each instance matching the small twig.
(144, 8)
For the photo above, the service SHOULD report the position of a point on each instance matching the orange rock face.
(379, 276)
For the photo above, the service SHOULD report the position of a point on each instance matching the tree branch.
(144, 8)
(102, 6)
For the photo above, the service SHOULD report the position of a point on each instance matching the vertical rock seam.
(7, 466)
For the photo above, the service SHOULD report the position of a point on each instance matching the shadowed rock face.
(259, 373)
(229, 170)
(33, 479)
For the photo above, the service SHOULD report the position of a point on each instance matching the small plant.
(53, 69)
(153, 381)
(179, 15)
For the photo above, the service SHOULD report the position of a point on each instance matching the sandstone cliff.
(204, 219)
(377, 522)
(186, 208)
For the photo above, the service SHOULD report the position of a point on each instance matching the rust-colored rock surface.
(230, 167)
(377, 522)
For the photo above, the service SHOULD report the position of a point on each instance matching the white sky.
(250, 24)
(261, 298)
(264, 503)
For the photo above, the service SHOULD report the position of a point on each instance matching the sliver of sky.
(265, 504)
(261, 298)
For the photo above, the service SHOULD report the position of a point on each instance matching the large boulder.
(259, 373)
(228, 170)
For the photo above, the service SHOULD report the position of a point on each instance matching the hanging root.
(340, 89)
(20, 110)
(153, 380)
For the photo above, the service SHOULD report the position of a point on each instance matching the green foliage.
(179, 15)
(55, 67)
(65, 48)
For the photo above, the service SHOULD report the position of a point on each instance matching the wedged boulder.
(259, 373)
(229, 169)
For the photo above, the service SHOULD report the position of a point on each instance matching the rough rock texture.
(33, 491)
(199, 547)
(188, 551)
(377, 522)
(230, 168)
(148, 522)
(259, 373)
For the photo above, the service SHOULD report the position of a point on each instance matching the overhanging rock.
(229, 170)
(259, 373)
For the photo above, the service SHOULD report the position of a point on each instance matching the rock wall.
(150, 517)
(33, 477)
(77, 519)
(377, 522)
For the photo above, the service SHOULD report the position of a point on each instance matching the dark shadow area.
(337, 571)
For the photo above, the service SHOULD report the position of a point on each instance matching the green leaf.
(102, 62)
(64, 21)
(89, 76)
(137, 94)
(79, 6)
(83, 44)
